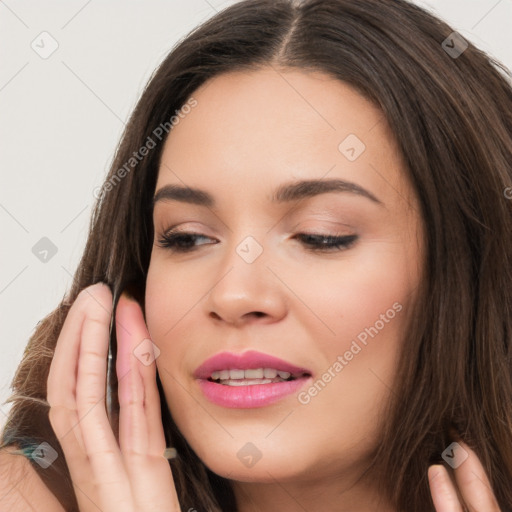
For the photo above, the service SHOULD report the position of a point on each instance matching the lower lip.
(247, 397)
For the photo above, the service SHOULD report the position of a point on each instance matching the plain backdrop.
(61, 116)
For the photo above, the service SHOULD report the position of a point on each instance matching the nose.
(245, 291)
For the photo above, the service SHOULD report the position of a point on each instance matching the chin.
(267, 469)
(260, 473)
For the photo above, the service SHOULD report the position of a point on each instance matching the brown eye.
(316, 242)
(181, 241)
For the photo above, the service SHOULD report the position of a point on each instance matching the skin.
(302, 306)
(314, 304)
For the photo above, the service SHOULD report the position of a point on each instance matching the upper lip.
(247, 360)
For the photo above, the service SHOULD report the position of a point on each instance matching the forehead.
(252, 130)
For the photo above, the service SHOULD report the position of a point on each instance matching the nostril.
(252, 314)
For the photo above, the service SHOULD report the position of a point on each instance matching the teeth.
(252, 373)
(246, 382)
(270, 373)
(256, 373)
(236, 374)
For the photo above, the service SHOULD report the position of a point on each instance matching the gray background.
(61, 118)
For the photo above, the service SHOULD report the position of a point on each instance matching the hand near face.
(132, 475)
(472, 487)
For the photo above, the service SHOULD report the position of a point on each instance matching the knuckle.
(89, 403)
(131, 402)
(93, 375)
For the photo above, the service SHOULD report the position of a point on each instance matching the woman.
(309, 211)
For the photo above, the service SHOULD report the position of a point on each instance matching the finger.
(473, 483)
(99, 441)
(61, 384)
(442, 490)
(61, 395)
(141, 433)
(91, 371)
(76, 458)
(132, 421)
(139, 356)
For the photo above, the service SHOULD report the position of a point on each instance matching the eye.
(316, 242)
(180, 241)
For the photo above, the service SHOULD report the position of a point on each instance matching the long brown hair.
(452, 117)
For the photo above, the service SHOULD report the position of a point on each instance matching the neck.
(294, 496)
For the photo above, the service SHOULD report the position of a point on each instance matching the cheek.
(173, 303)
(361, 307)
(170, 297)
(340, 299)
(371, 293)
(168, 301)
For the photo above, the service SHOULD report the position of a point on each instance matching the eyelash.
(324, 243)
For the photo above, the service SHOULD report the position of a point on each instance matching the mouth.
(251, 379)
(227, 367)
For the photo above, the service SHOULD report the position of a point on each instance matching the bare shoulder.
(21, 488)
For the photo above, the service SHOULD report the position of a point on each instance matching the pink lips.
(248, 396)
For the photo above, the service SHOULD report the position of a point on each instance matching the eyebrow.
(285, 193)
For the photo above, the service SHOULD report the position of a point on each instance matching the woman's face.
(250, 280)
